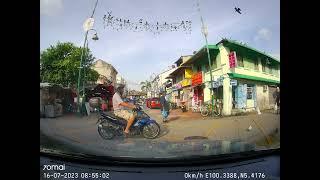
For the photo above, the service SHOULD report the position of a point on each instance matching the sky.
(138, 55)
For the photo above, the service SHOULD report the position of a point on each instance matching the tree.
(145, 86)
(60, 64)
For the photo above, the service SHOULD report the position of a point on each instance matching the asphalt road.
(222, 135)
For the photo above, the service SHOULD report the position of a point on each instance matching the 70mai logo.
(54, 167)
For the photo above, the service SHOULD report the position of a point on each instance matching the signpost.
(233, 82)
(216, 84)
(232, 59)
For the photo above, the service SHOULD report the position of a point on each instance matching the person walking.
(164, 106)
(276, 96)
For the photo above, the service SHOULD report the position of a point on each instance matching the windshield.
(159, 79)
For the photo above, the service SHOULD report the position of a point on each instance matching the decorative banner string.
(118, 24)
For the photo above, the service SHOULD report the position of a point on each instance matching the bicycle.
(207, 109)
(197, 107)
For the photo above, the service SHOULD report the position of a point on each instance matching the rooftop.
(104, 63)
(236, 44)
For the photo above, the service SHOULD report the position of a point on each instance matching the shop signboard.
(188, 73)
(186, 82)
(233, 82)
(232, 59)
(196, 79)
(220, 79)
(177, 86)
(216, 84)
(175, 93)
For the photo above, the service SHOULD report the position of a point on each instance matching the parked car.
(154, 103)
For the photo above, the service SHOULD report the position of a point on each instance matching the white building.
(120, 79)
(108, 74)
(159, 82)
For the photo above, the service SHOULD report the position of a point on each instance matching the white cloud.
(264, 34)
(50, 7)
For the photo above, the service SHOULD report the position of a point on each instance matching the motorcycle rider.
(120, 108)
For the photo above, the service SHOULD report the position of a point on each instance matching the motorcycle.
(110, 126)
(172, 105)
(183, 107)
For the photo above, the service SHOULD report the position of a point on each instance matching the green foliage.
(145, 86)
(60, 64)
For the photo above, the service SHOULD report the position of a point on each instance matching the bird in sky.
(238, 10)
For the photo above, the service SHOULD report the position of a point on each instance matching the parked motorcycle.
(173, 105)
(110, 126)
(183, 107)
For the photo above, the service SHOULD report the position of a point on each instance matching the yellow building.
(248, 85)
(181, 82)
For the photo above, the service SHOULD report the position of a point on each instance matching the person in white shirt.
(120, 108)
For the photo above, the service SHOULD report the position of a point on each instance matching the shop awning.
(241, 76)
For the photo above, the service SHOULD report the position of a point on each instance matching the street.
(176, 137)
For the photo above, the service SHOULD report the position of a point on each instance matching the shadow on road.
(164, 130)
(173, 118)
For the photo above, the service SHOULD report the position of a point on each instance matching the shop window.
(207, 68)
(249, 91)
(275, 70)
(256, 65)
(199, 68)
(264, 63)
(214, 63)
(271, 69)
(240, 60)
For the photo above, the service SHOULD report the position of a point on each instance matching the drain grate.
(195, 137)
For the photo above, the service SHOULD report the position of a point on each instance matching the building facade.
(244, 78)
(108, 74)
(180, 90)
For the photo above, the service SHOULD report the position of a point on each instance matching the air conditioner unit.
(265, 88)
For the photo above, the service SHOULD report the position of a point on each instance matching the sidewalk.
(82, 133)
(186, 124)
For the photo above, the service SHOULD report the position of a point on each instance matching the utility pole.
(81, 59)
(205, 33)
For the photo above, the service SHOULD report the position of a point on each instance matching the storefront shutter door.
(241, 96)
(254, 94)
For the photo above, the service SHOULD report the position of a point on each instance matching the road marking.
(211, 130)
(263, 132)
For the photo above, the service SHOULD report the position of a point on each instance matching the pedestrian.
(276, 96)
(164, 106)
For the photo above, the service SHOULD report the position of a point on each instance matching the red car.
(155, 103)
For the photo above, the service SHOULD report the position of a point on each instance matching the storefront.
(198, 95)
(176, 93)
(244, 95)
(250, 95)
(186, 93)
(197, 88)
